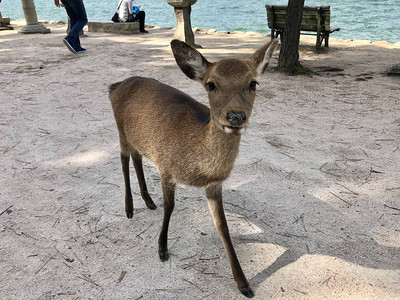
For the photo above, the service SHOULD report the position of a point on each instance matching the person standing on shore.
(126, 14)
(77, 14)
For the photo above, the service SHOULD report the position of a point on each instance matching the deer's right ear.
(191, 62)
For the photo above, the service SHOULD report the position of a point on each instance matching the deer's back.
(148, 101)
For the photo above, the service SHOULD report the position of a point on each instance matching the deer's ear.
(260, 59)
(189, 60)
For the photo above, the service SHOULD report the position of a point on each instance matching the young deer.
(188, 142)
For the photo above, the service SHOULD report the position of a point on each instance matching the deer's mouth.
(233, 129)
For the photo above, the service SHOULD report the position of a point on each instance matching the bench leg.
(327, 40)
(319, 41)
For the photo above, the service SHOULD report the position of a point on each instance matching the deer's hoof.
(129, 214)
(164, 255)
(151, 206)
(149, 202)
(248, 292)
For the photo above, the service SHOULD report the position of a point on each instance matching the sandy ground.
(312, 203)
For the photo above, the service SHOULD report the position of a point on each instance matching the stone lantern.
(183, 29)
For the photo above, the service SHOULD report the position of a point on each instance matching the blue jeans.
(78, 19)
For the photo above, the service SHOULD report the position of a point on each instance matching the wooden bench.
(315, 19)
(111, 27)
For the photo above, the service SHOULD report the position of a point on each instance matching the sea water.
(358, 20)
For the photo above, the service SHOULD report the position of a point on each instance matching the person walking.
(77, 15)
(129, 13)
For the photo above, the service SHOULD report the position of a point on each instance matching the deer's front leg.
(214, 198)
(169, 204)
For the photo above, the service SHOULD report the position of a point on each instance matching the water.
(359, 20)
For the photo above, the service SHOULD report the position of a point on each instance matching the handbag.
(115, 17)
(131, 18)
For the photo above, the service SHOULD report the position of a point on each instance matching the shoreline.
(198, 30)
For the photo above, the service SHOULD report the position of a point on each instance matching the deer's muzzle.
(236, 119)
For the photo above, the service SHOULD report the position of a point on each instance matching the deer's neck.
(221, 149)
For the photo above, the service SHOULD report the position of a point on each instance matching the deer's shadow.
(312, 227)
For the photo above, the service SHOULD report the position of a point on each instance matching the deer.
(188, 142)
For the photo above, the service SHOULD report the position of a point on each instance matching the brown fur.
(172, 130)
(187, 141)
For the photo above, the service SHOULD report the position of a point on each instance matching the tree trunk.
(290, 38)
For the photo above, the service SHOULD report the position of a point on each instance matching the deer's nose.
(236, 119)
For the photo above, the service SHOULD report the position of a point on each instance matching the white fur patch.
(228, 130)
(199, 68)
(212, 210)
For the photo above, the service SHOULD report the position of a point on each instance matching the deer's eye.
(253, 85)
(210, 86)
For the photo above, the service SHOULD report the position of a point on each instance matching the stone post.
(32, 23)
(183, 30)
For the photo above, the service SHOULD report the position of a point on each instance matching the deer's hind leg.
(128, 192)
(138, 164)
(126, 151)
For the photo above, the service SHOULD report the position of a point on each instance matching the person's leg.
(141, 17)
(72, 42)
(77, 14)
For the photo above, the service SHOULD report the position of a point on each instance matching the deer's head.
(231, 83)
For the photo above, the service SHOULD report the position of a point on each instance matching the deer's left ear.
(260, 59)
(191, 62)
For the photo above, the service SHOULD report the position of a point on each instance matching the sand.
(312, 203)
